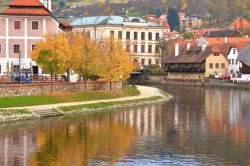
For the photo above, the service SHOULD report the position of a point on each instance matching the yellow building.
(196, 63)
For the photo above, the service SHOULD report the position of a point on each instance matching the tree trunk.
(51, 83)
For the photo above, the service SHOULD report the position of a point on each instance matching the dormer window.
(135, 20)
(17, 25)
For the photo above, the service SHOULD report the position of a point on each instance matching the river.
(201, 126)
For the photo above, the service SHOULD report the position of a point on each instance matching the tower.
(46, 3)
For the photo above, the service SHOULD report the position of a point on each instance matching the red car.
(225, 77)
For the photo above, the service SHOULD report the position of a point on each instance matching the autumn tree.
(86, 56)
(116, 63)
(50, 54)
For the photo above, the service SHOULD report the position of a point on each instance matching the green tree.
(188, 35)
(173, 19)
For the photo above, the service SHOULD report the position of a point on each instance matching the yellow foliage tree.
(85, 55)
(51, 54)
(116, 63)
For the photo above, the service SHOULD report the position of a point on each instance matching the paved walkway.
(145, 92)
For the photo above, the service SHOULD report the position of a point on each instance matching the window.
(149, 62)
(35, 25)
(128, 35)
(142, 48)
(216, 54)
(234, 51)
(149, 48)
(135, 35)
(157, 50)
(17, 25)
(35, 70)
(112, 33)
(143, 62)
(157, 36)
(16, 48)
(232, 61)
(143, 36)
(0, 69)
(211, 65)
(150, 36)
(217, 66)
(157, 61)
(223, 65)
(135, 48)
(120, 35)
(33, 47)
(0, 48)
(128, 47)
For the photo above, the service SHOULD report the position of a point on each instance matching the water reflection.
(199, 127)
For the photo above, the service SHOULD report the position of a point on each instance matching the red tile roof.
(239, 23)
(26, 7)
(26, 3)
(166, 25)
(26, 11)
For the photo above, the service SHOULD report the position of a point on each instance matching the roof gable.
(26, 7)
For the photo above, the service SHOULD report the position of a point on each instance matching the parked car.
(225, 77)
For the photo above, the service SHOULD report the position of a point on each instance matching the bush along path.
(141, 95)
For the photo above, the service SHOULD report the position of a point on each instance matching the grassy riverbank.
(20, 101)
(111, 104)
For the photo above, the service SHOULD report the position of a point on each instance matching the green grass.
(108, 104)
(13, 112)
(20, 101)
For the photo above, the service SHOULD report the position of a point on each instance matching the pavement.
(145, 92)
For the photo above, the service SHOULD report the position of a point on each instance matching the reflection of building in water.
(234, 106)
(223, 109)
(15, 150)
(144, 119)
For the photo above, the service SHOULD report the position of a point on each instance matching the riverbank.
(215, 83)
(148, 95)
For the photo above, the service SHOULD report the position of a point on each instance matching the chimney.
(204, 47)
(176, 49)
(225, 39)
(188, 46)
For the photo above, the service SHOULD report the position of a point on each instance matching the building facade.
(140, 37)
(23, 25)
(196, 63)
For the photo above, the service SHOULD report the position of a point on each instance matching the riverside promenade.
(145, 92)
(148, 95)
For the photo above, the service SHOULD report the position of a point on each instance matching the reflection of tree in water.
(78, 143)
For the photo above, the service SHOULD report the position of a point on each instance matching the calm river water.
(201, 126)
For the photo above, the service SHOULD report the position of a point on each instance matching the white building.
(139, 36)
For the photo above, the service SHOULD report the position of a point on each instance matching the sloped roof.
(239, 23)
(26, 7)
(110, 20)
(26, 3)
(244, 55)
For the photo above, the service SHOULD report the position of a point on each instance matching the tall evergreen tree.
(173, 19)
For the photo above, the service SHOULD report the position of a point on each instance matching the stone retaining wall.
(41, 89)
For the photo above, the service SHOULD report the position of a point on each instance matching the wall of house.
(41, 89)
(212, 59)
(25, 37)
(185, 75)
(104, 31)
(233, 66)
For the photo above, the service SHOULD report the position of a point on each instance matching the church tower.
(46, 3)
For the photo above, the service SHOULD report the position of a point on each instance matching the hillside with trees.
(215, 12)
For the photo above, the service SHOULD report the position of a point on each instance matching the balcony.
(185, 69)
